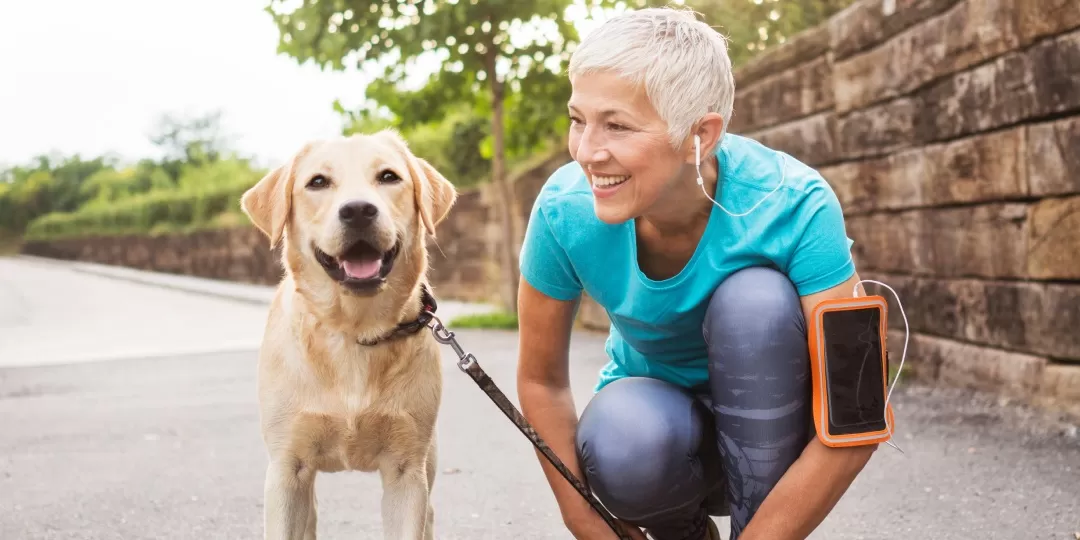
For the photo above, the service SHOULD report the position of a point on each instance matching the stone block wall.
(950, 131)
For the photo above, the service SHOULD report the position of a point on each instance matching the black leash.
(468, 364)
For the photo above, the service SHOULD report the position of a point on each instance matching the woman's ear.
(269, 202)
(708, 131)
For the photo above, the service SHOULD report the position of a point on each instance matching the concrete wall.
(950, 130)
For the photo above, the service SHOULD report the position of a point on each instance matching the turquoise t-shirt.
(656, 325)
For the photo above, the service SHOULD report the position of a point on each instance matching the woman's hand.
(590, 526)
(635, 532)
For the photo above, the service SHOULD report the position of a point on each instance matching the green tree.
(752, 26)
(193, 141)
(450, 138)
(503, 45)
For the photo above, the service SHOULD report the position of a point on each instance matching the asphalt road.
(127, 412)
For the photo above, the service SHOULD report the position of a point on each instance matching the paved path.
(54, 312)
(128, 412)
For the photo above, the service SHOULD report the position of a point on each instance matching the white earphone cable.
(701, 181)
(903, 355)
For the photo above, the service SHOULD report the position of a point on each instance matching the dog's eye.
(388, 177)
(318, 182)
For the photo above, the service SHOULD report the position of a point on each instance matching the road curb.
(248, 293)
(260, 295)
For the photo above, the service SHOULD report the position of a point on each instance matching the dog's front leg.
(288, 505)
(405, 499)
(430, 468)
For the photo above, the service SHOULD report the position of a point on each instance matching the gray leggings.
(665, 458)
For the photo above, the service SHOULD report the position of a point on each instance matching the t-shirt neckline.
(703, 243)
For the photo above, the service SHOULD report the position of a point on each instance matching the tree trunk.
(507, 214)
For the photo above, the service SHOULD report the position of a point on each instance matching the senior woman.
(707, 270)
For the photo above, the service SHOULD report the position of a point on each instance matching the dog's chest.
(357, 441)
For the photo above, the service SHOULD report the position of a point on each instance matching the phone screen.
(853, 366)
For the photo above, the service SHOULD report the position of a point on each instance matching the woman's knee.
(637, 443)
(757, 343)
(755, 312)
(751, 302)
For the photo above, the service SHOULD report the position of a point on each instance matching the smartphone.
(850, 369)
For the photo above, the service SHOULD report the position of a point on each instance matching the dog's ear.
(433, 193)
(269, 202)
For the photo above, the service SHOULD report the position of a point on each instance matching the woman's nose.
(591, 149)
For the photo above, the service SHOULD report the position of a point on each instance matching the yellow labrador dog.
(344, 381)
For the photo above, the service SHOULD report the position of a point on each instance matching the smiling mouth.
(361, 267)
(605, 182)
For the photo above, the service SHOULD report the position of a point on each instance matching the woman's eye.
(616, 127)
(318, 182)
(388, 177)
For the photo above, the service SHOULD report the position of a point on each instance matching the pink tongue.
(362, 269)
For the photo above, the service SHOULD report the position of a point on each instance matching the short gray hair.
(681, 62)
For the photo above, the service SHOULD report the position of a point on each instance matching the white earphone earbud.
(697, 159)
(701, 181)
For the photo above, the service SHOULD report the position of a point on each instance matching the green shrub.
(134, 202)
(155, 211)
(498, 320)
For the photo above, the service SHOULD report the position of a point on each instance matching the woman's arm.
(815, 482)
(543, 384)
(543, 380)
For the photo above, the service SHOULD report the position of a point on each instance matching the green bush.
(153, 211)
(499, 320)
(136, 201)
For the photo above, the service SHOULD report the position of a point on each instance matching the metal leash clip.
(446, 337)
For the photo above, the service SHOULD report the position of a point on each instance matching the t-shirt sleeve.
(821, 257)
(543, 261)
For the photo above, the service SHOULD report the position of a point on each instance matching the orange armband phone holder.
(849, 365)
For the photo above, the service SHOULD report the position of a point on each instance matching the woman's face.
(621, 142)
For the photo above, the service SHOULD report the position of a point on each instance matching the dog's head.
(351, 205)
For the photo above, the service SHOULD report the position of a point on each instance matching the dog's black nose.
(357, 213)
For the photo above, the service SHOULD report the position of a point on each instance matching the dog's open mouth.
(361, 266)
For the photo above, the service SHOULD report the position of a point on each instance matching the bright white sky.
(92, 77)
